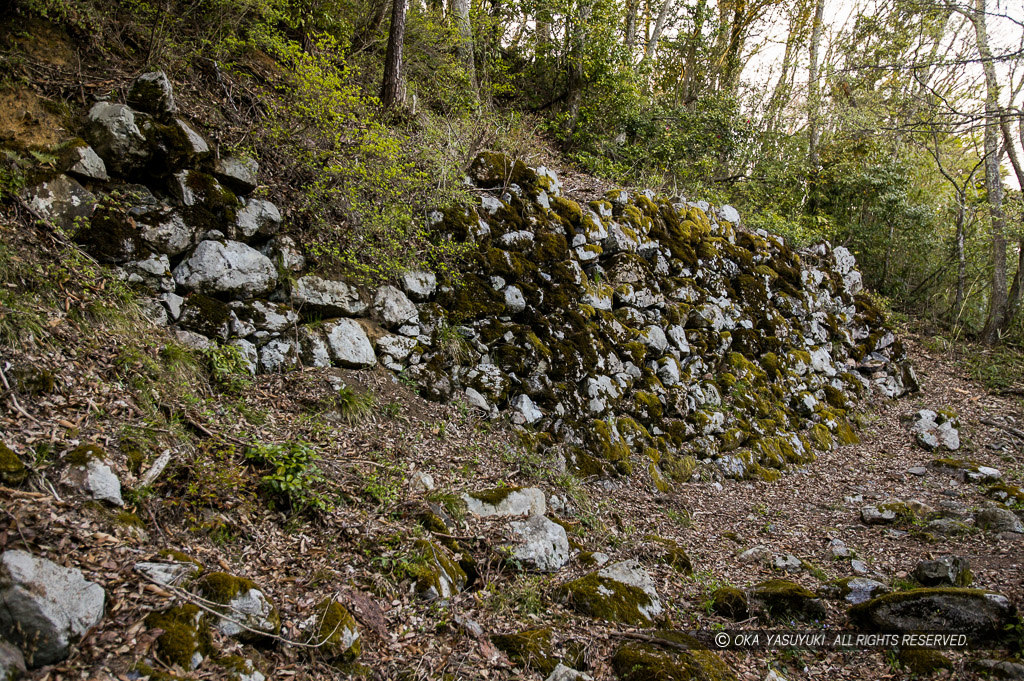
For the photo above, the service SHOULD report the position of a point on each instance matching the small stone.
(258, 218)
(839, 549)
(419, 285)
(945, 571)
(12, 662)
(95, 478)
(168, 574)
(919, 471)
(421, 482)
(787, 563)
(525, 411)
(563, 673)
(82, 161)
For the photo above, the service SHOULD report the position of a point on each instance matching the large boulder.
(229, 268)
(115, 135)
(327, 297)
(979, 614)
(622, 592)
(539, 543)
(46, 608)
(348, 344)
(419, 285)
(62, 201)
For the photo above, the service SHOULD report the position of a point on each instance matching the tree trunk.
(459, 10)
(961, 256)
(780, 95)
(631, 9)
(814, 91)
(1016, 288)
(659, 28)
(731, 59)
(998, 302)
(690, 90)
(578, 41)
(393, 91)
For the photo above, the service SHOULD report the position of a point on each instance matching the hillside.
(260, 422)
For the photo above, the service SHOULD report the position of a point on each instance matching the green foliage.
(353, 407)
(293, 478)
(229, 368)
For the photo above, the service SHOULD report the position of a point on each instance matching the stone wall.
(635, 329)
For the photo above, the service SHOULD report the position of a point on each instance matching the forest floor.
(207, 505)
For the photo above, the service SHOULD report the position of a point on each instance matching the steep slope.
(234, 451)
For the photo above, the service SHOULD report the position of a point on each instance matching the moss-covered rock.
(247, 613)
(334, 631)
(681, 658)
(622, 592)
(780, 600)
(981, 614)
(530, 649)
(728, 601)
(12, 471)
(435, 575)
(185, 640)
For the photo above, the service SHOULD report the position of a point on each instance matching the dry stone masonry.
(634, 330)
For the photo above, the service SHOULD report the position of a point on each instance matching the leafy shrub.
(293, 478)
(229, 368)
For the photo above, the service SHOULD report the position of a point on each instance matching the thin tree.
(393, 90)
(460, 13)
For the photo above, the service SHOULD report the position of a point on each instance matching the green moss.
(433, 568)
(606, 443)
(821, 437)
(1008, 494)
(957, 464)
(568, 210)
(186, 633)
(83, 454)
(129, 520)
(494, 496)
(679, 468)
(647, 406)
(531, 649)
(730, 602)
(220, 587)
(845, 434)
(923, 661)
(674, 555)
(32, 380)
(636, 661)
(336, 632)
(12, 471)
(606, 599)
(731, 439)
(474, 299)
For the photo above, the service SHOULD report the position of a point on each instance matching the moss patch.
(780, 599)
(923, 661)
(730, 602)
(186, 638)
(12, 471)
(531, 649)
